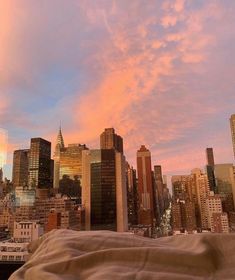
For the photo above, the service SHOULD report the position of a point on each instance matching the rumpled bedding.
(101, 255)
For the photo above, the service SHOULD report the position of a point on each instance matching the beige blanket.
(101, 255)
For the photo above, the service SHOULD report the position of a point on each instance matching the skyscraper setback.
(110, 140)
(232, 125)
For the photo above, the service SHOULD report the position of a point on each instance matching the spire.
(60, 139)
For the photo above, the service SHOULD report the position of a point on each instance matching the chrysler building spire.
(60, 139)
(59, 145)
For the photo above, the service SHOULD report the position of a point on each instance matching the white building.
(27, 231)
(13, 252)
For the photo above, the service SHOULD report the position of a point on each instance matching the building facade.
(146, 211)
(217, 219)
(20, 168)
(27, 231)
(104, 190)
(225, 184)
(70, 169)
(40, 164)
(132, 195)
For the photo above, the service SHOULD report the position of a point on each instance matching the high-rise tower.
(145, 187)
(59, 145)
(210, 156)
(20, 167)
(104, 190)
(40, 163)
(210, 169)
(232, 125)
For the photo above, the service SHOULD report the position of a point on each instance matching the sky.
(160, 72)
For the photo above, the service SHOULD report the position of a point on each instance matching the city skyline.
(7, 168)
(159, 73)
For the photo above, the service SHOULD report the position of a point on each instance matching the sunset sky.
(162, 73)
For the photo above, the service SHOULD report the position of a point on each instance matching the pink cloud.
(169, 20)
(142, 79)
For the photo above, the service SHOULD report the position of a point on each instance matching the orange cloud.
(135, 75)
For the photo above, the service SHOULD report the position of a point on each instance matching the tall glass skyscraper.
(104, 190)
(20, 167)
(40, 164)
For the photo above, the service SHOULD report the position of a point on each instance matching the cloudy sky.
(162, 73)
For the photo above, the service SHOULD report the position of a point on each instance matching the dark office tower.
(210, 156)
(146, 210)
(20, 168)
(110, 140)
(210, 169)
(58, 147)
(132, 195)
(232, 125)
(104, 190)
(159, 188)
(40, 163)
(225, 181)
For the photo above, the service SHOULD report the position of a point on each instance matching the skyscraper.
(146, 213)
(159, 190)
(210, 169)
(210, 156)
(20, 167)
(71, 160)
(70, 169)
(132, 195)
(202, 192)
(225, 182)
(40, 163)
(232, 125)
(59, 145)
(104, 190)
(110, 140)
